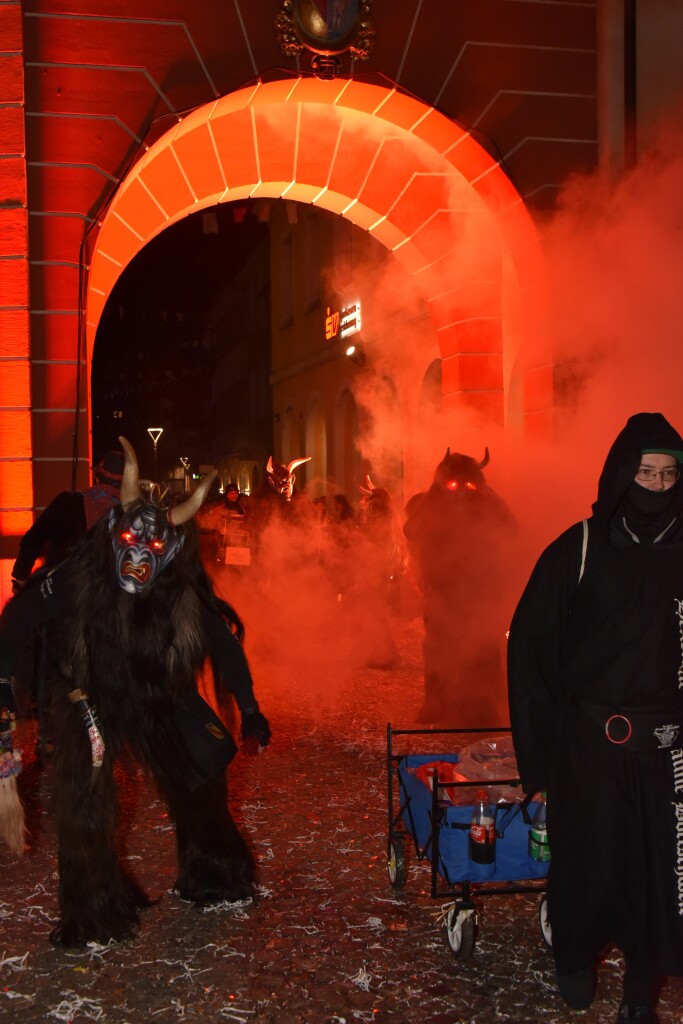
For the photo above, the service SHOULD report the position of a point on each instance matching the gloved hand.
(7, 725)
(7, 697)
(255, 731)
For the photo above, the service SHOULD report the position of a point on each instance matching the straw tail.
(12, 820)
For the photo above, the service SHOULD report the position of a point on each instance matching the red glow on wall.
(16, 482)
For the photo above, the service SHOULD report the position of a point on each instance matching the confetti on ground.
(315, 810)
(362, 979)
(73, 1004)
(15, 963)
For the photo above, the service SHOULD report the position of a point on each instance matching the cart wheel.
(461, 930)
(546, 930)
(396, 862)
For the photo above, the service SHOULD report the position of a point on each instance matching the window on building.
(341, 253)
(311, 261)
(290, 437)
(316, 448)
(286, 281)
(348, 465)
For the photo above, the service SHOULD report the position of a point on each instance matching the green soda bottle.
(539, 850)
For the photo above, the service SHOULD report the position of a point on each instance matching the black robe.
(599, 631)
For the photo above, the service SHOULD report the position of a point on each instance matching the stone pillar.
(16, 450)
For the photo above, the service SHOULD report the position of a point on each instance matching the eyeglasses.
(669, 475)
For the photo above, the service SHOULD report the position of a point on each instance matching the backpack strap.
(584, 548)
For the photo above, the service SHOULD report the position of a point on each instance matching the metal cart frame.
(460, 917)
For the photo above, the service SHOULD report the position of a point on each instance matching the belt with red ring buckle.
(639, 728)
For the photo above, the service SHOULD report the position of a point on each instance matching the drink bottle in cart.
(482, 837)
(539, 850)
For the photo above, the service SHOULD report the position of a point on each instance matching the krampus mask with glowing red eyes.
(457, 474)
(144, 543)
(147, 536)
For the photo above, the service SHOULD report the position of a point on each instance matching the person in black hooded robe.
(595, 677)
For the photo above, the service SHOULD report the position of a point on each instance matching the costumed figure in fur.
(139, 619)
(277, 499)
(460, 535)
(381, 554)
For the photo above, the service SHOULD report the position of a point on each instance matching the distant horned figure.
(461, 474)
(281, 478)
(277, 501)
(382, 522)
(457, 533)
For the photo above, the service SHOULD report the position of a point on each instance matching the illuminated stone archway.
(393, 166)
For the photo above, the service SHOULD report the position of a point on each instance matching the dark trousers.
(43, 599)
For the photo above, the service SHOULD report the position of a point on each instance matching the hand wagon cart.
(430, 817)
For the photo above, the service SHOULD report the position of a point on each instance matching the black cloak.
(599, 632)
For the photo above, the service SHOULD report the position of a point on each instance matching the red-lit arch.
(390, 164)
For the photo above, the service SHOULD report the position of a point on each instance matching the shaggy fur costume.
(136, 657)
(459, 534)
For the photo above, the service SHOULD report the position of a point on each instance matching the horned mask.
(460, 474)
(281, 478)
(146, 536)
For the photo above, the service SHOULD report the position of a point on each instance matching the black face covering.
(621, 499)
(647, 513)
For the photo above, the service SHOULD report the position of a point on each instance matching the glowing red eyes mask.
(144, 543)
(453, 485)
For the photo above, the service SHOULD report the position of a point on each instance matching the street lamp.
(155, 433)
(356, 353)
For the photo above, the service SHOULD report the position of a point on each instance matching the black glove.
(7, 720)
(255, 730)
(7, 697)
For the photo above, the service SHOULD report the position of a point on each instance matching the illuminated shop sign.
(342, 322)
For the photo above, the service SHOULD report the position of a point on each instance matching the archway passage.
(395, 167)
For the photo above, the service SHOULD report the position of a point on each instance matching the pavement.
(327, 940)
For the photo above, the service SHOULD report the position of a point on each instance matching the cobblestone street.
(328, 940)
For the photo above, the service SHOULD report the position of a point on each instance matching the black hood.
(646, 431)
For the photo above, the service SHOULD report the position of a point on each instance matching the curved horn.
(269, 467)
(369, 482)
(179, 514)
(485, 460)
(363, 490)
(130, 484)
(297, 462)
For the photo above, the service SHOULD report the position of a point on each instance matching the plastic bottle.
(482, 837)
(539, 850)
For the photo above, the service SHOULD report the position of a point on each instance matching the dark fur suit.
(460, 535)
(136, 657)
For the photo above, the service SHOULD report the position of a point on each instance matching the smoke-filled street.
(328, 940)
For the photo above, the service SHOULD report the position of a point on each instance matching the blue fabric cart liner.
(512, 861)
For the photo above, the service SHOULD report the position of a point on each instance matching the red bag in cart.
(447, 771)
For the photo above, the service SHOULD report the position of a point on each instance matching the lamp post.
(155, 433)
